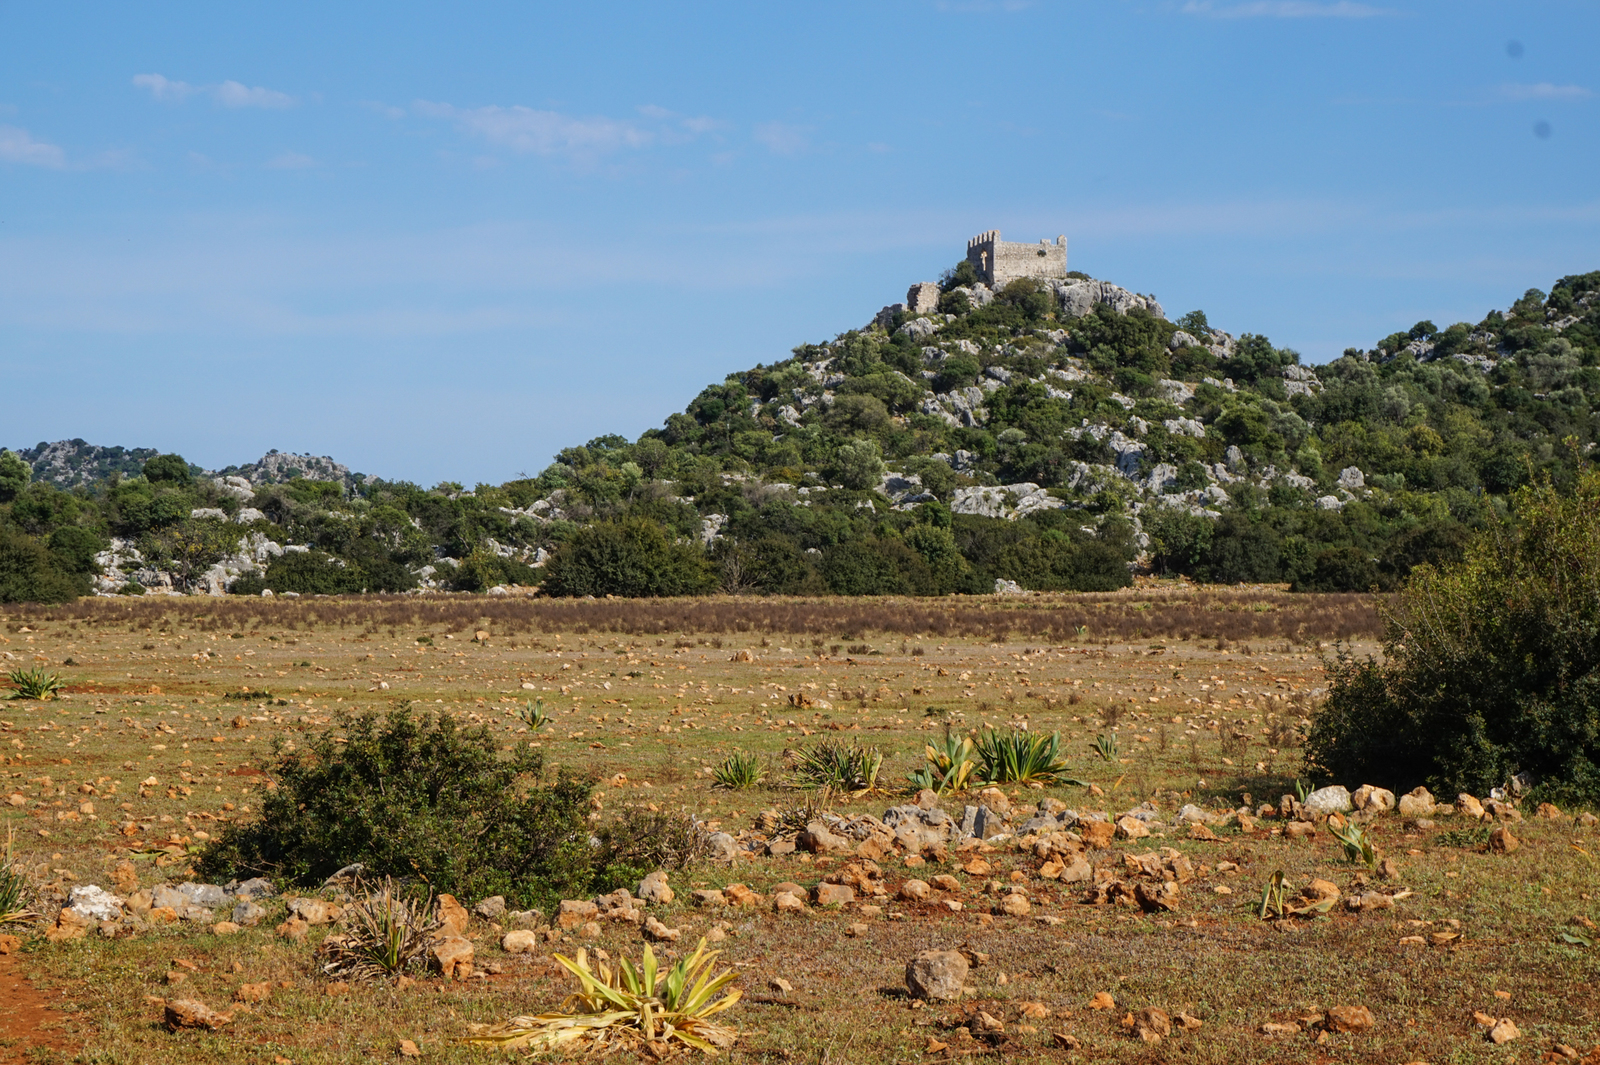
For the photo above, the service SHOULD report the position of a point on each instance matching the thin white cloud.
(548, 133)
(781, 138)
(227, 94)
(1285, 9)
(233, 94)
(18, 146)
(162, 88)
(290, 161)
(1544, 90)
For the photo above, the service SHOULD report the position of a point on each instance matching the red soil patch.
(26, 1019)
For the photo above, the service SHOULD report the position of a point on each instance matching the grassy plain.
(1205, 690)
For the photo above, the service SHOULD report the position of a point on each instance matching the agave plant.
(951, 762)
(385, 935)
(1105, 745)
(35, 683)
(1274, 896)
(1022, 757)
(642, 1007)
(1358, 846)
(852, 769)
(737, 772)
(13, 890)
(534, 715)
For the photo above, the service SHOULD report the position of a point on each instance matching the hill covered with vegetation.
(1055, 434)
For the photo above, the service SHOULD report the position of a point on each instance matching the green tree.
(632, 557)
(858, 465)
(1491, 665)
(14, 475)
(168, 469)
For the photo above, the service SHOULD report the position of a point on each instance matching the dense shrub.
(632, 558)
(415, 796)
(314, 573)
(31, 573)
(1491, 665)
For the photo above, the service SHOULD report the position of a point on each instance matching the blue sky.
(444, 241)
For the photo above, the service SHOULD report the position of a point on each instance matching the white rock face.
(1179, 392)
(1078, 298)
(237, 487)
(1333, 799)
(95, 903)
(208, 513)
(1351, 478)
(247, 515)
(918, 328)
(1186, 427)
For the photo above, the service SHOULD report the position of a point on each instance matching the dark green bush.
(314, 573)
(170, 469)
(632, 558)
(415, 796)
(30, 573)
(1491, 666)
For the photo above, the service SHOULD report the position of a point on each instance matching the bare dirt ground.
(165, 735)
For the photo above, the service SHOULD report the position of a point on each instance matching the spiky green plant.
(534, 715)
(737, 772)
(1019, 757)
(631, 1008)
(1358, 846)
(35, 683)
(1105, 745)
(1274, 896)
(13, 888)
(951, 763)
(384, 936)
(841, 767)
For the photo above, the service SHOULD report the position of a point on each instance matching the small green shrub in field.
(951, 763)
(838, 767)
(1018, 757)
(415, 796)
(1358, 846)
(1490, 668)
(34, 683)
(737, 772)
(384, 935)
(13, 890)
(534, 715)
(1105, 745)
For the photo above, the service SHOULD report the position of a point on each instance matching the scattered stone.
(707, 897)
(1065, 1041)
(95, 903)
(1098, 834)
(187, 1013)
(1299, 830)
(1015, 906)
(819, 839)
(1334, 799)
(248, 914)
(1188, 1021)
(1154, 1021)
(1549, 812)
(1501, 841)
(834, 894)
(1587, 819)
(452, 916)
(739, 895)
(521, 941)
(1504, 1031)
(1129, 827)
(722, 847)
(9, 944)
(1388, 869)
(780, 985)
(1349, 1019)
(653, 889)
(492, 908)
(936, 974)
(1102, 1000)
(409, 1049)
(70, 924)
(1415, 804)
(914, 890)
(589, 930)
(988, 1024)
(575, 912)
(660, 933)
(856, 929)
(946, 882)
(315, 911)
(224, 928)
(1320, 891)
(253, 992)
(1372, 799)
(1276, 1029)
(451, 957)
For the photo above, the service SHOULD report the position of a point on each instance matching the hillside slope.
(1055, 434)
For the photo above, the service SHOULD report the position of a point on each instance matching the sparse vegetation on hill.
(1049, 434)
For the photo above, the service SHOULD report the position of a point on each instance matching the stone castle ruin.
(1000, 262)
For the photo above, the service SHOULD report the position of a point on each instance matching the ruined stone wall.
(1001, 261)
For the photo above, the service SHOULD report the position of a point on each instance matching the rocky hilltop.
(1053, 433)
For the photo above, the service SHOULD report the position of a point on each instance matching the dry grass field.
(166, 730)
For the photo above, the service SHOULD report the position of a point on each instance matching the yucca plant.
(384, 936)
(1105, 745)
(737, 772)
(1017, 757)
(852, 769)
(35, 683)
(635, 1008)
(1358, 846)
(534, 715)
(951, 763)
(1274, 896)
(13, 889)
